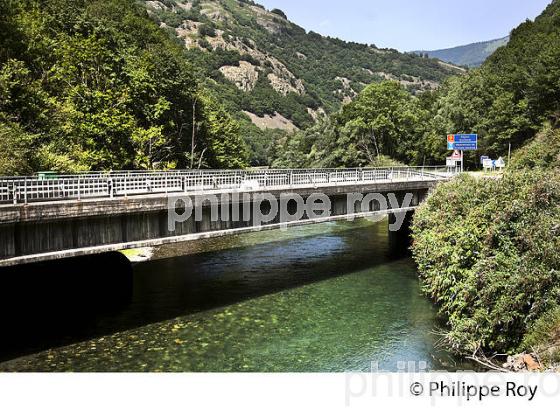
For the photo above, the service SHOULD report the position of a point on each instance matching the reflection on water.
(325, 297)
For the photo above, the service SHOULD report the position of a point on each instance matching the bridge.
(50, 216)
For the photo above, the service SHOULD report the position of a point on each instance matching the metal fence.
(124, 183)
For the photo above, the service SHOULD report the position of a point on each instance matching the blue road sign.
(466, 142)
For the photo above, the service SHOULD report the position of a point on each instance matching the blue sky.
(410, 24)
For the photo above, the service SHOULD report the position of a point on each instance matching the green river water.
(321, 298)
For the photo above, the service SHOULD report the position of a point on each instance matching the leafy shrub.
(206, 30)
(487, 253)
(280, 13)
(542, 152)
(15, 150)
(544, 337)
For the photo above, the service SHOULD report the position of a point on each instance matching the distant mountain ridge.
(470, 55)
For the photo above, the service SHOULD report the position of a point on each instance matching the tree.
(384, 119)
(280, 13)
(223, 146)
(16, 150)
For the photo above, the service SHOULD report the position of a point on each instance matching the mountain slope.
(506, 102)
(259, 62)
(470, 55)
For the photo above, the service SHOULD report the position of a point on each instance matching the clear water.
(330, 297)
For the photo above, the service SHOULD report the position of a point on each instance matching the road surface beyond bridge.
(57, 216)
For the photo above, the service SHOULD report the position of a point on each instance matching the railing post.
(125, 186)
(25, 191)
(79, 189)
(12, 192)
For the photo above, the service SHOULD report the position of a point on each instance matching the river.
(320, 298)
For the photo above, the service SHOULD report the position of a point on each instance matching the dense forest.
(506, 101)
(96, 85)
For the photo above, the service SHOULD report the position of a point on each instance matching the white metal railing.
(123, 183)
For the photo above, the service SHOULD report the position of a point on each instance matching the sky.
(410, 24)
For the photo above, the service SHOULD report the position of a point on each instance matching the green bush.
(280, 13)
(487, 253)
(544, 336)
(206, 30)
(542, 152)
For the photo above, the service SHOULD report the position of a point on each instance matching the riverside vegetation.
(487, 252)
(487, 249)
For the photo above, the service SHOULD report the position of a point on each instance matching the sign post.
(462, 142)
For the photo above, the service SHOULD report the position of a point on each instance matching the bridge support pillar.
(400, 240)
(7, 241)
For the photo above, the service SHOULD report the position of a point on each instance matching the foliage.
(543, 337)
(100, 86)
(513, 93)
(541, 153)
(16, 151)
(316, 60)
(505, 102)
(382, 122)
(487, 251)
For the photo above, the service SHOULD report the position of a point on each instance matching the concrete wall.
(53, 227)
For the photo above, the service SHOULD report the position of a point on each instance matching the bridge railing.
(124, 183)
